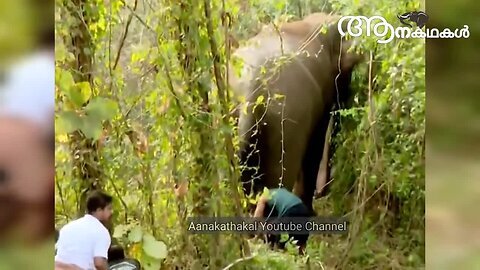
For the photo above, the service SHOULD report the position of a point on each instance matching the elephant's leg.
(283, 168)
(298, 188)
(249, 157)
(324, 172)
(311, 161)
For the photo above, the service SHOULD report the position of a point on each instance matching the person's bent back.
(85, 242)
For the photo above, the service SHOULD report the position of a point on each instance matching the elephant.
(283, 141)
(418, 17)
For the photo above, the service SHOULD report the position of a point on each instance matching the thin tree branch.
(120, 198)
(141, 20)
(222, 92)
(172, 90)
(124, 37)
(237, 261)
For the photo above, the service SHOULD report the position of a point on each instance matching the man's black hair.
(98, 199)
(115, 253)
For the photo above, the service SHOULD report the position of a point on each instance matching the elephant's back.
(264, 54)
(247, 60)
(273, 42)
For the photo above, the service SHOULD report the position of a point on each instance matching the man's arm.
(260, 207)
(64, 266)
(100, 253)
(100, 263)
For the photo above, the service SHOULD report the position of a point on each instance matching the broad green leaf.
(91, 127)
(102, 108)
(67, 122)
(79, 93)
(154, 248)
(60, 52)
(65, 81)
(151, 264)
(85, 91)
(120, 231)
(135, 234)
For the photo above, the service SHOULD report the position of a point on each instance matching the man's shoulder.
(102, 229)
(71, 224)
(103, 234)
(99, 229)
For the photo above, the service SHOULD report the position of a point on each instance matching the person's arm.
(64, 266)
(260, 207)
(100, 263)
(100, 252)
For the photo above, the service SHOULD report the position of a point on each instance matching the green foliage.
(161, 119)
(144, 246)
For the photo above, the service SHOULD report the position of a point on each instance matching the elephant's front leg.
(298, 188)
(323, 172)
(311, 161)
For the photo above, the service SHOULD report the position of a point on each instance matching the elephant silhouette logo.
(418, 17)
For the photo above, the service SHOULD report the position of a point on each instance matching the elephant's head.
(345, 59)
(339, 47)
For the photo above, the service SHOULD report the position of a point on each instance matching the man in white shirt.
(85, 242)
(27, 146)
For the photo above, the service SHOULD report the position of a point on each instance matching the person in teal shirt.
(279, 202)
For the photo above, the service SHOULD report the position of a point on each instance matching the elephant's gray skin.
(418, 17)
(308, 83)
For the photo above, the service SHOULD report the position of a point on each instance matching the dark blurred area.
(453, 138)
(27, 166)
(27, 143)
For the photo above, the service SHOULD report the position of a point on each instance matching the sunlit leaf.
(80, 94)
(154, 248)
(151, 264)
(260, 100)
(120, 231)
(62, 138)
(102, 108)
(92, 127)
(135, 234)
(65, 81)
(67, 122)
